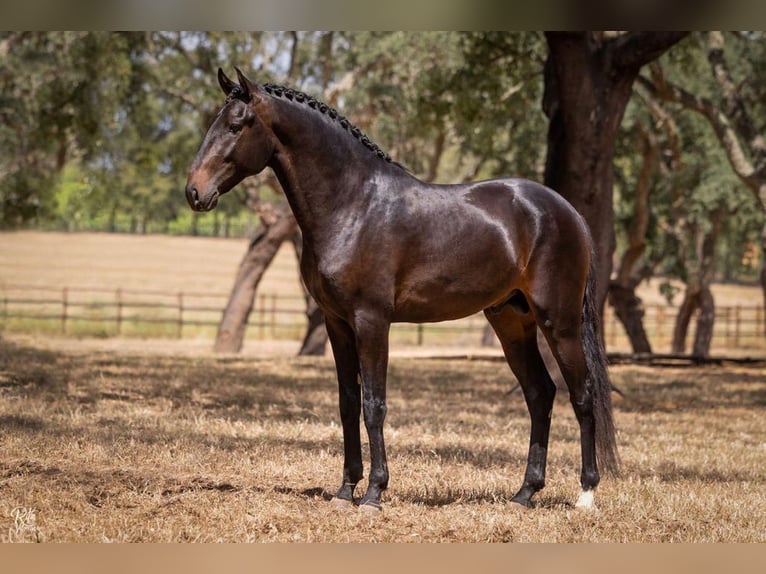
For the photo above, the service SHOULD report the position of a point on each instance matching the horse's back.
(464, 248)
(526, 195)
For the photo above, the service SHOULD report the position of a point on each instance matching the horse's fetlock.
(589, 479)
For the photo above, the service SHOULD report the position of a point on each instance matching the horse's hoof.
(341, 503)
(586, 502)
(371, 508)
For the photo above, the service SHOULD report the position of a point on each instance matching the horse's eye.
(235, 128)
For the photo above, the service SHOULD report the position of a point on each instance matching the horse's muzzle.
(200, 203)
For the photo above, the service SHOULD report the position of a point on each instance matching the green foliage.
(104, 125)
(477, 93)
(682, 201)
(59, 90)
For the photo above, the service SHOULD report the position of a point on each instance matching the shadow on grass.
(21, 423)
(670, 472)
(235, 389)
(31, 371)
(668, 390)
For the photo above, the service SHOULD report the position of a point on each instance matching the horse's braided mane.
(332, 113)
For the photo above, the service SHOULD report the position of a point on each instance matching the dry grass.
(153, 262)
(120, 446)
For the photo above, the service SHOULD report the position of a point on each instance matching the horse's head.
(237, 144)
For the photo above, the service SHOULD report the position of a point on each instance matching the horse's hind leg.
(518, 336)
(562, 329)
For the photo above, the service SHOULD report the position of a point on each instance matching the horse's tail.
(598, 380)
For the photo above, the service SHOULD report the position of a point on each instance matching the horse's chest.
(328, 281)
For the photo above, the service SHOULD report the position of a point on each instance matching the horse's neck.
(320, 169)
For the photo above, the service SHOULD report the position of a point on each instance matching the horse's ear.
(226, 84)
(246, 85)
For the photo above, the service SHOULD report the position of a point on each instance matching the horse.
(381, 246)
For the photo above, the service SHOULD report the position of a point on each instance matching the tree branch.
(734, 107)
(635, 49)
(640, 223)
(659, 87)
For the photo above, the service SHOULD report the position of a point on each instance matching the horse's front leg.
(372, 345)
(343, 345)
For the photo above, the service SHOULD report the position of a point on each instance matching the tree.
(58, 93)
(694, 206)
(622, 289)
(700, 196)
(731, 118)
(588, 81)
(277, 226)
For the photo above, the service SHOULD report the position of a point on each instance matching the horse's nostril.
(192, 194)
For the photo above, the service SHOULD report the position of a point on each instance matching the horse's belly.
(430, 313)
(442, 302)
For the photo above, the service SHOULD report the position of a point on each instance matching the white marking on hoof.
(586, 500)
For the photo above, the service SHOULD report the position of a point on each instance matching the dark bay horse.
(380, 246)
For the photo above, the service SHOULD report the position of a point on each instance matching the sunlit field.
(115, 445)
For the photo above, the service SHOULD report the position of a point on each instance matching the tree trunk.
(622, 291)
(260, 253)
(763, 271)
(315, 339)
(698, 294)
(588, 82)
(683, 318)
(705, 322)
(584, 103)
(630, 311)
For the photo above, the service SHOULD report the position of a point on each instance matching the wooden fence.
(86, 311)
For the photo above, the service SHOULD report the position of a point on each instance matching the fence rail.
(98, 311)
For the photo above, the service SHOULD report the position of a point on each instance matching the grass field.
(111, 445)
(153, 262)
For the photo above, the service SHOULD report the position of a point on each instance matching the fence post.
(736, 325)
(64, 308)
(261, 316)
(420, 334)
(118, 320)
(660, 324)
(273, 316)
(179, 330)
